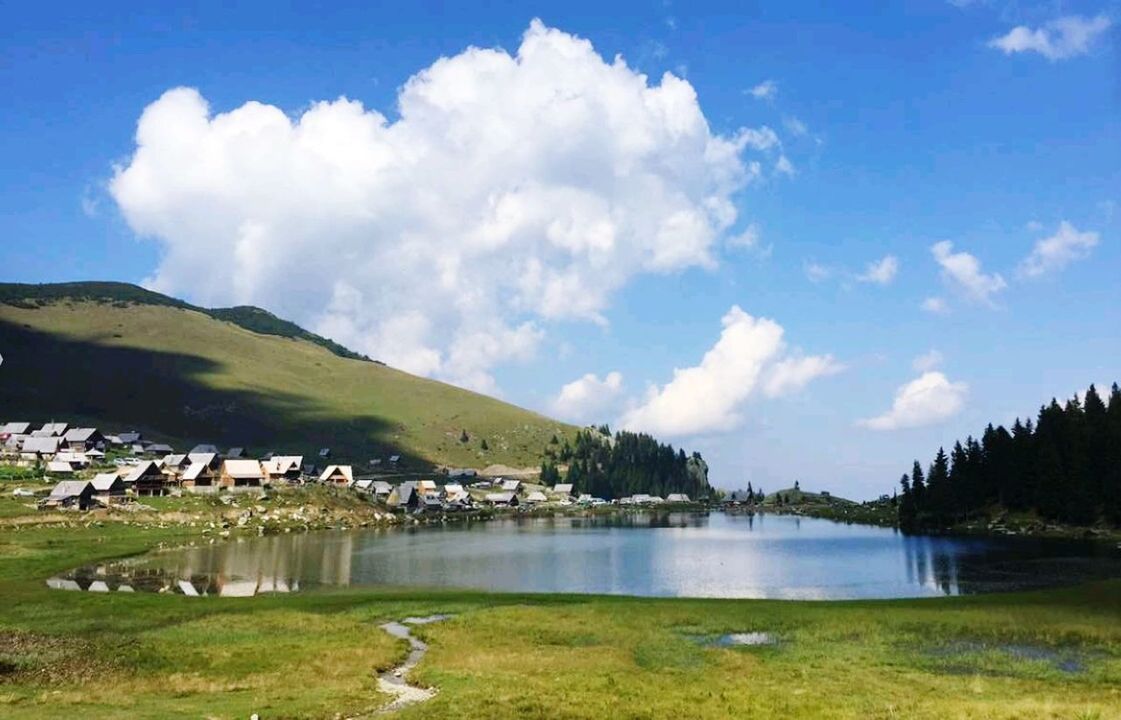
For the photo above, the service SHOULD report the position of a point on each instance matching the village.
(82, 469)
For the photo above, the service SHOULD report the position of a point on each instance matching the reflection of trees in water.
(933, 562)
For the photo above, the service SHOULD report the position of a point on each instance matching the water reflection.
(652, 554)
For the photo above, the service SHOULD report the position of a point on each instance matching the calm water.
(670, 554)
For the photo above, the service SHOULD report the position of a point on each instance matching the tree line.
(1066, 467)
(625, 464)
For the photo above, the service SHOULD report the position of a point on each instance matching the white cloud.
(513, 190)
(816, 272)
(793, 374)
(1057, 251)
(750, 240)
(795, 127)
(765, 90)
(588, 399)
(709, 397)
(963, 271)
(927, 361)
(926, 400)
(935, 305)
(1059, 39)
(881, 271)
(783, 166)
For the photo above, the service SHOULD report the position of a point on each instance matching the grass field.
(1053, 654)
(182, 375)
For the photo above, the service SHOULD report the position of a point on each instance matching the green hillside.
(123, 357)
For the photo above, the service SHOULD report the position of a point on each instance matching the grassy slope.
(531, 656)
(145, 365)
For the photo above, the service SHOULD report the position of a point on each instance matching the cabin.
(427, 487)
(381, 490)
(364, 486)
(462, 474)
(175, 463)
(430, 503)
(502, 499)
(77, 460)
(130, 437)
(405, 497)
(108, 485)
(235, 453)
(339, 475)
(39, 447)
(453, 492)
(563, 489)
(677, 498)
(199, 477)
(14, 428)
(285, 468)
(511, 485)
(158, 449)
(536, 497)
(242, 475)
(394, 459)
(52, 430)
(324, 453)
(82, 439)
(147, 479)
(69, 494)
(204, 449)
(211, 460)
(59, 467)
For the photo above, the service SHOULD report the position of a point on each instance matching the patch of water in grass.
(971, 656)
(737, 639)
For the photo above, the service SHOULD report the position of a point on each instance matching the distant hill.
(121, 356)
(123, 294)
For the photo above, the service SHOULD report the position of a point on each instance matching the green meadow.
(1054, 654)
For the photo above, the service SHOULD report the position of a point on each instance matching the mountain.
(120, 356)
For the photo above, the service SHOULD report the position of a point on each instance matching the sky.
(813, 243)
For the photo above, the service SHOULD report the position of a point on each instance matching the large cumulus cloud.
(510, 191)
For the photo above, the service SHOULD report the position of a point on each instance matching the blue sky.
(858, 133)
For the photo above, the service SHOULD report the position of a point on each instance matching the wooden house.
(242, 474)
(340, 475)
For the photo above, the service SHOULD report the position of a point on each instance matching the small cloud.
(671, 22)
(816, 272)
(783, 166)
(880, 272)
(765, 90)
(749, 240)
(793, 374)
(795, 127)
(927, 361)
(926, 400)
(935, 306)
(1033, 226)
(91, 206)
(1059, 39)
(1053, 253)
(963, 271)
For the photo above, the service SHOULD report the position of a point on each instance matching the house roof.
(127, 438)
(677, 497)
(332, 470)
(195, 471)
(45, 445)
(204, 449)
(72, 457)
(160, 448)
(501, 497)
(54, 428)
(364, 484)
(15, 428)
(69, 488)
(536, 496)
(235, 452)
(59, 466)
(144, 469)
(381, 486)
(80, 434)
(282, 464)
(511, 485)
(242, 468)
(175, 460)
(105, 481)
(563, 488)
(206, 458)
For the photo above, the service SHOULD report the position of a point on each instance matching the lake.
(649, 554)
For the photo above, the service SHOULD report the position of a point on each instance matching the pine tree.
(1111, 483)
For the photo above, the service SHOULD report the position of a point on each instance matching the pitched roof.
(235, 452)
(54, 428)
(204, 449)
(175, 460)
(127, 438)
(15, 428)
(79, 434)
(511, 485)
(677, 497)
(242, 469)
(346, 470)
(59, 466)
(563, 488)
(501, 497)
(195, 470)
(104, 481)
(44, 445)
(205, 458)
(536, 496)
(282, 464)
(144, 469)
(381, 487)
(69, 488)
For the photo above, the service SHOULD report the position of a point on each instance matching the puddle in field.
(393, 681)
(741, 639)
(1069, 660)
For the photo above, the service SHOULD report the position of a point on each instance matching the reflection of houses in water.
(933, 563)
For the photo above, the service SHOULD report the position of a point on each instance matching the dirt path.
(393, 681)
